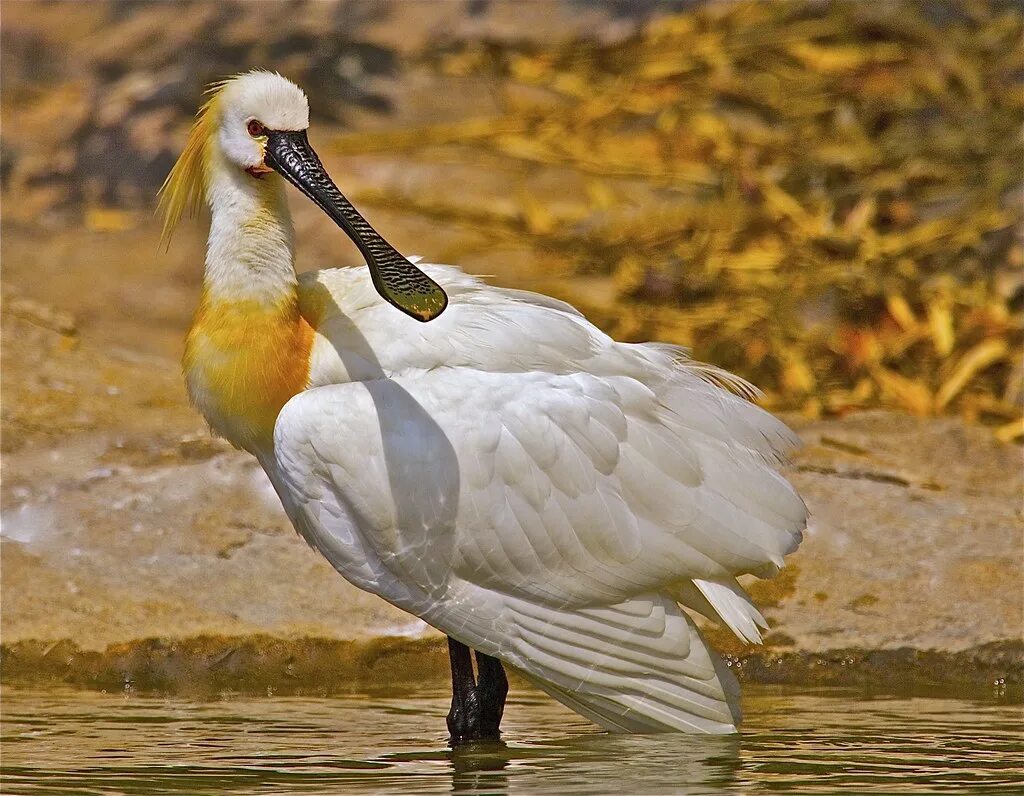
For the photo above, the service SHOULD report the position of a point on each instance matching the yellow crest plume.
(185, 186)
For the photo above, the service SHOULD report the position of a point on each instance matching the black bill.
(397, 280)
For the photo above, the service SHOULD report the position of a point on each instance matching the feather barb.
(184, 190)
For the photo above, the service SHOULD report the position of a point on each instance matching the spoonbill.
(483, 458)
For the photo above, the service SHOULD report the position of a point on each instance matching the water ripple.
(79, 742)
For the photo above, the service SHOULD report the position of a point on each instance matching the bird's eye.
(255, 128)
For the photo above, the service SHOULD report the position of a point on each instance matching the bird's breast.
(243, 361)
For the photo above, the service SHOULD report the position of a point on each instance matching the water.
(81, 742)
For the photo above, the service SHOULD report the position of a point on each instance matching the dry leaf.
(976, 359)
(905, 393)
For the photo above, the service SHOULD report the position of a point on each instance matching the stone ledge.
(265, 665)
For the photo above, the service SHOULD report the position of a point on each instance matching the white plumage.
(506, 471)
(538, 491)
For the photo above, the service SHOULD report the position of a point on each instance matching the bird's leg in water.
(477, 703)
(491, 690)
(464, 717)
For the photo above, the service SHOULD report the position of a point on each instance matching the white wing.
(572, 490)
(540, 516)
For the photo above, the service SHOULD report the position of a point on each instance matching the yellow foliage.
(1012, 431)
(821, 197)
(940, 322)
(976, 359)
(901, 312)
(906, 393)
(796, 375)
(843, 58)
(109, 219)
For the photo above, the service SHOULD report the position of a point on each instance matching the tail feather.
(723, 601)
(734, 607)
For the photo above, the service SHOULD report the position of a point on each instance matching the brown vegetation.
(824, 198)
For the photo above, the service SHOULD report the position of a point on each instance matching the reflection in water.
(480, 768)
(80, 742)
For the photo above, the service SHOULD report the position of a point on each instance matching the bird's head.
(253, 109)
(256, 124)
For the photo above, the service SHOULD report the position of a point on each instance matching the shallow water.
(84, 742)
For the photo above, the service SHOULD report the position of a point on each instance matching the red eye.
(255, 128)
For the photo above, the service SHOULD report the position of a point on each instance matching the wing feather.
(540, 492)
(517, 482)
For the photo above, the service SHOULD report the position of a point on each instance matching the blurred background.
(823, 197)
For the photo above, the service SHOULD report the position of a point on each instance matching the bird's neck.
(250, 254)
(248, 349)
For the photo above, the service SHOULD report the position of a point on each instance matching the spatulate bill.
(397, 280)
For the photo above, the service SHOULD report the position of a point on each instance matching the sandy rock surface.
(123, 519)
(915, 537)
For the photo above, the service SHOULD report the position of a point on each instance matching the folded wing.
(551, 512)
(572, 490)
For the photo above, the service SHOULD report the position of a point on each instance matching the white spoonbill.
(538, 492)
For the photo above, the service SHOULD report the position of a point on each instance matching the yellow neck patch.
(243, 360)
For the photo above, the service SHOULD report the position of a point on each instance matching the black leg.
(492, 688)
(464, 717)
(477, 703)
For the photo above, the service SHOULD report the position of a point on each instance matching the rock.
(42, 315)
(915, 536)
